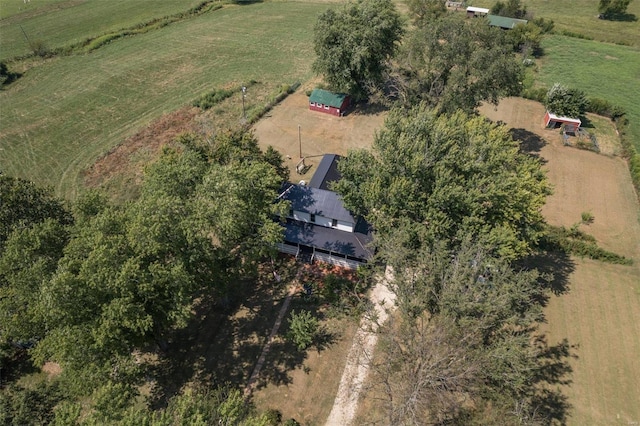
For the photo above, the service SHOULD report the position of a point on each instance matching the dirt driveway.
(319, 133)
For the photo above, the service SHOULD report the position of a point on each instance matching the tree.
(464, 333)
(565, 101)
(610, 9)
(448, 177)
(455, 64)
(425, 11)
(510, 9)
(22, 204)
(354, 45)
(303, 329)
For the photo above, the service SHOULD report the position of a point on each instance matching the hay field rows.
(59, 23)
(63, 114)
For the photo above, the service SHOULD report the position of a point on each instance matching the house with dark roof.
(329, 102)
(504, 22)
(319, 227)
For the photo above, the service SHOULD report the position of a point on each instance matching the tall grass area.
(601, 70)
(63, 114)
(62, 23)
(581, 17)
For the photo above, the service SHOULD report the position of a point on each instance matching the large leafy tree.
(354, 45)
(454, 63)
(465, 333)
(449, 176)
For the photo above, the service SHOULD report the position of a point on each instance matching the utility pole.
(244, 93)
(300, 141)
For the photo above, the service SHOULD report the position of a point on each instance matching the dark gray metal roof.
(316, 201)
(326, 172)
(346, 243)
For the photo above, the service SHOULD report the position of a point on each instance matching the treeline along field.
(63, 114)
(61, 23)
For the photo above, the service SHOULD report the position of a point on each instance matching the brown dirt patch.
(146, 143)
(52, 369)
(320, 133)
(601, 311)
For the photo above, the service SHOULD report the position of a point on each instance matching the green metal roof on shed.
(325, 97)
(504, 22)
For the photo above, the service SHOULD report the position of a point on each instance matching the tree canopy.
(454, 63)
(88, 290)
(566, 101)
(450, 176)
(465, 332)
(354, 45)
(510, 9)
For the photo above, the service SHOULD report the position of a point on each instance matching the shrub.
(303, 329)
(566, 101)
(587, 217)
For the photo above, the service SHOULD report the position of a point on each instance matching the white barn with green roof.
(329, 102)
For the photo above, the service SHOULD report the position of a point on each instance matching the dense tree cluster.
(448, 177)
(89, 287)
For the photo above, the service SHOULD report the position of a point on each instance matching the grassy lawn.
(602, 70)
(63, 114)
(60, 23)
(580, 16)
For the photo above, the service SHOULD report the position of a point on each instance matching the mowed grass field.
(601, 70)
(59, 23)
(581, 17)
(63, 114)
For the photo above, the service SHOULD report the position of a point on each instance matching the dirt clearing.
(319, 133)
(600, 312)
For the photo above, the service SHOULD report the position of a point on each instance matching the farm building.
(329, 102)
(570, 124)
(319, 227)
(504, 22)
(474, 12)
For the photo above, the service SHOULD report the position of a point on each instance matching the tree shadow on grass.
(223, 342)
(530, 143)
(620, 17)
(555, 370)
(556, 266)
(367, 108)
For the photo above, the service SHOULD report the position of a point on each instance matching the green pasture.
(601, 70)
(59, 23)
(63, 114)
(581, 17)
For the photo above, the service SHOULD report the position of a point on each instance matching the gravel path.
(359, 358)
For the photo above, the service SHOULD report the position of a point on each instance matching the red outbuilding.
(329, 102)
(570, 124)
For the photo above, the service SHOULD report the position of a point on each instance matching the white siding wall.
(323, 221)
(301, 216)
(345, 226)
(285, 248)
